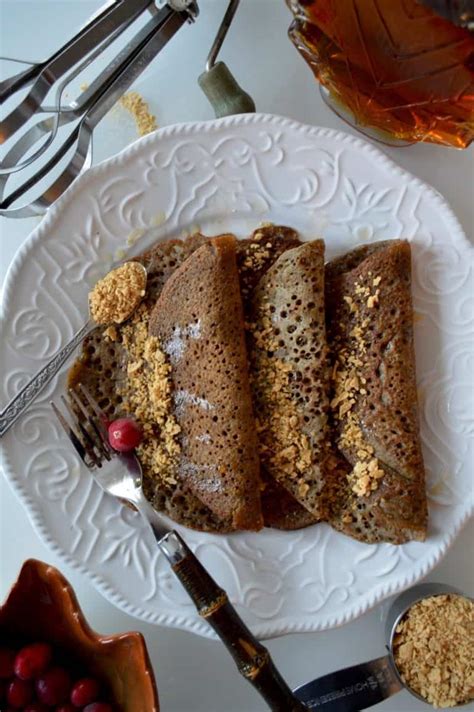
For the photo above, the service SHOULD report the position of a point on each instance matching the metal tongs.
(91, 106)
(58, 71)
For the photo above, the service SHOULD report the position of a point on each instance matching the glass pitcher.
(395, 67)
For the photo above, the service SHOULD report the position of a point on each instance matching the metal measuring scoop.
(28, 394)
(361, 686)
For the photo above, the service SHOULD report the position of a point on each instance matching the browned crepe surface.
(102, 365)
(370, 318)
(257, 253)
(373, 518)
(255, 256)
(198, 320)
(290, 375)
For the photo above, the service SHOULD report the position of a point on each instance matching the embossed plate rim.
(284, 624)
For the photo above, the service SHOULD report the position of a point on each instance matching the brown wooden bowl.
(43, 606)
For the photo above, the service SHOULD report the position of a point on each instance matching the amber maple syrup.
(395, 64)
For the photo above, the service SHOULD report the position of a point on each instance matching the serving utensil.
(217, 82)
(94, 102)
(28, 394)
(120, 474)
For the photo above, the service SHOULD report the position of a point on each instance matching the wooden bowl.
(42, 606)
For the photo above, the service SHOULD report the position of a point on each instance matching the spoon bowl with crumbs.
(112, 302)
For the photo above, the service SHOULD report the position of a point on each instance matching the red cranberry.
(32, 660)
(54, 686)
(36, 707)
(19, 693)
(124, 434)
(98, 707)
(7, 658)
(85, 691)
(68, 707)
(3, 690)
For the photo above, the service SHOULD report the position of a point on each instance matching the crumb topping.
(282, 444)
(138, 108)
(255, 256)
(116, 296)
(111, 333)
(147, 395)
(433, 650)
(258, 252)
(367, 473)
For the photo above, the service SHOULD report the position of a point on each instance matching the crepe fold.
(198, 320)
(334, 418)
(374, 399)
(290, 381)
(102, 368)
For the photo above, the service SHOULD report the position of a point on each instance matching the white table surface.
(193, 674)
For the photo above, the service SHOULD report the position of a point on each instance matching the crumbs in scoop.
(434, 652)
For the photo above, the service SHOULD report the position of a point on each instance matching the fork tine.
(72, 435)
(102, 418)
(101, 440)
(92, 402)
(89, 444)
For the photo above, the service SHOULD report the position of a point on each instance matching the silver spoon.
(28, 394)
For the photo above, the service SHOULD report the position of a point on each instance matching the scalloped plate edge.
(199, 627)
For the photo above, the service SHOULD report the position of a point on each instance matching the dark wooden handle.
(252, 658)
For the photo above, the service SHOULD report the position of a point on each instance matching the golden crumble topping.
(138, 108)
(282, 444)
(348, 384)
(116, 296)
(433, 650)
(146, 394)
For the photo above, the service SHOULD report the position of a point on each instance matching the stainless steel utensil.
(115, 16)
(60, 116)
(120, 475)
(91, 106)
(361, 686)
(104, 27)
(58, 71)
(28, 394)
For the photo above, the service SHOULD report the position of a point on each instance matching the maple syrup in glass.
(396, 65)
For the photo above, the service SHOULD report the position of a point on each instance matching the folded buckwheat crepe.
(374, 399)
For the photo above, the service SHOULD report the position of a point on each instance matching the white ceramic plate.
(224, 175)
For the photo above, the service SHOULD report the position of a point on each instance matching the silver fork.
(120, 475)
